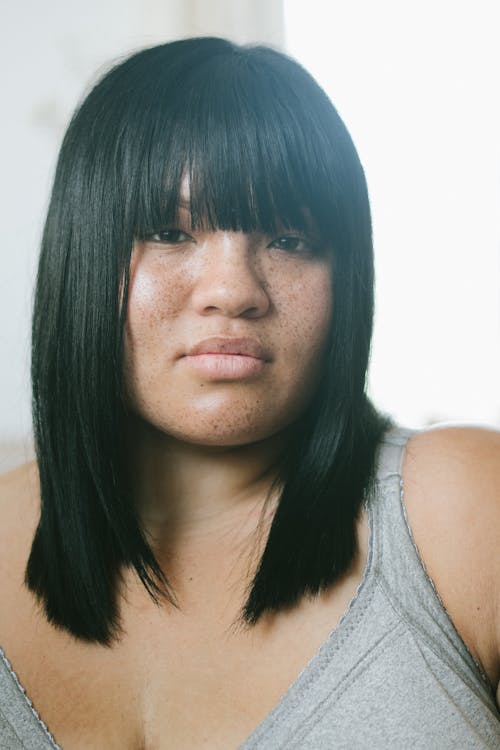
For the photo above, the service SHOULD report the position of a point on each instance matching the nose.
(229, 281)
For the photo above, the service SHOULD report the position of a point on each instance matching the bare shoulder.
(451, 477)
(19, 511)
(473, 451)
(19, 486)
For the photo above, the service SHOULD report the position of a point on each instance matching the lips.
(245, 347)
(218, 359)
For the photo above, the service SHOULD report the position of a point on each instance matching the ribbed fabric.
(20, 726)
(394, 674)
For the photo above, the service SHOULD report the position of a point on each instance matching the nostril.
(251, 312)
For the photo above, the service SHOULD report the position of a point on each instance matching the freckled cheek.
(306, 313)
(153, 301)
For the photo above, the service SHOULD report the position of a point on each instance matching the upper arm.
(452, 496)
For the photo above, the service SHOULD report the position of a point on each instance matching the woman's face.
(225, 331)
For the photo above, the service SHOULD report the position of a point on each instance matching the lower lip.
(225, 366)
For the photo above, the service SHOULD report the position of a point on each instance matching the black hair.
(262, 144)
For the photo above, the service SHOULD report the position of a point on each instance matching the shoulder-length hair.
(262, 145)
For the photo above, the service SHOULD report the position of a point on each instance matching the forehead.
(185, 192)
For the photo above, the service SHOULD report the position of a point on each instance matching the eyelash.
(156, 236)
(307, 245)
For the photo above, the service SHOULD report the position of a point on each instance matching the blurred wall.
(50, 54)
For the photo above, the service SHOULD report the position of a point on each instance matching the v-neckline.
(40, 724)
(305, 677)
(320, 660)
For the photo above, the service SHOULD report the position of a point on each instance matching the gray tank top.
(393, 674)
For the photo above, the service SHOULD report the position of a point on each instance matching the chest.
(180, 683)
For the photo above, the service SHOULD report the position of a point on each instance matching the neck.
(189, 491)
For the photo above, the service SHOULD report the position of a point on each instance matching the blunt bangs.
(258, 139)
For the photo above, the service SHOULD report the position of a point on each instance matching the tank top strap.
(391, 452)
(400, 571)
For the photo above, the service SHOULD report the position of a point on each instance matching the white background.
(418, 87)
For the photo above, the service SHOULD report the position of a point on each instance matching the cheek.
(152, 306)
(145, 293)
(306, 311)
(154, 299)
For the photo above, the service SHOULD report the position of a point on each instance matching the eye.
(169, 237)
(293, 244)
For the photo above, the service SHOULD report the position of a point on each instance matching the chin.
(211, 431)
(223, 422)
(223, 437)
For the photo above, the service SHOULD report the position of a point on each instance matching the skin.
(203, 449)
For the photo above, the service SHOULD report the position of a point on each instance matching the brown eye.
(169, 237)
(292, 244)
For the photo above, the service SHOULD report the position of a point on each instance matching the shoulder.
(19, 512)
(473, 450)
(453, 473)
(20, 485)
(451, 478)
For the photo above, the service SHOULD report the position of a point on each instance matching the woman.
(212, 549)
